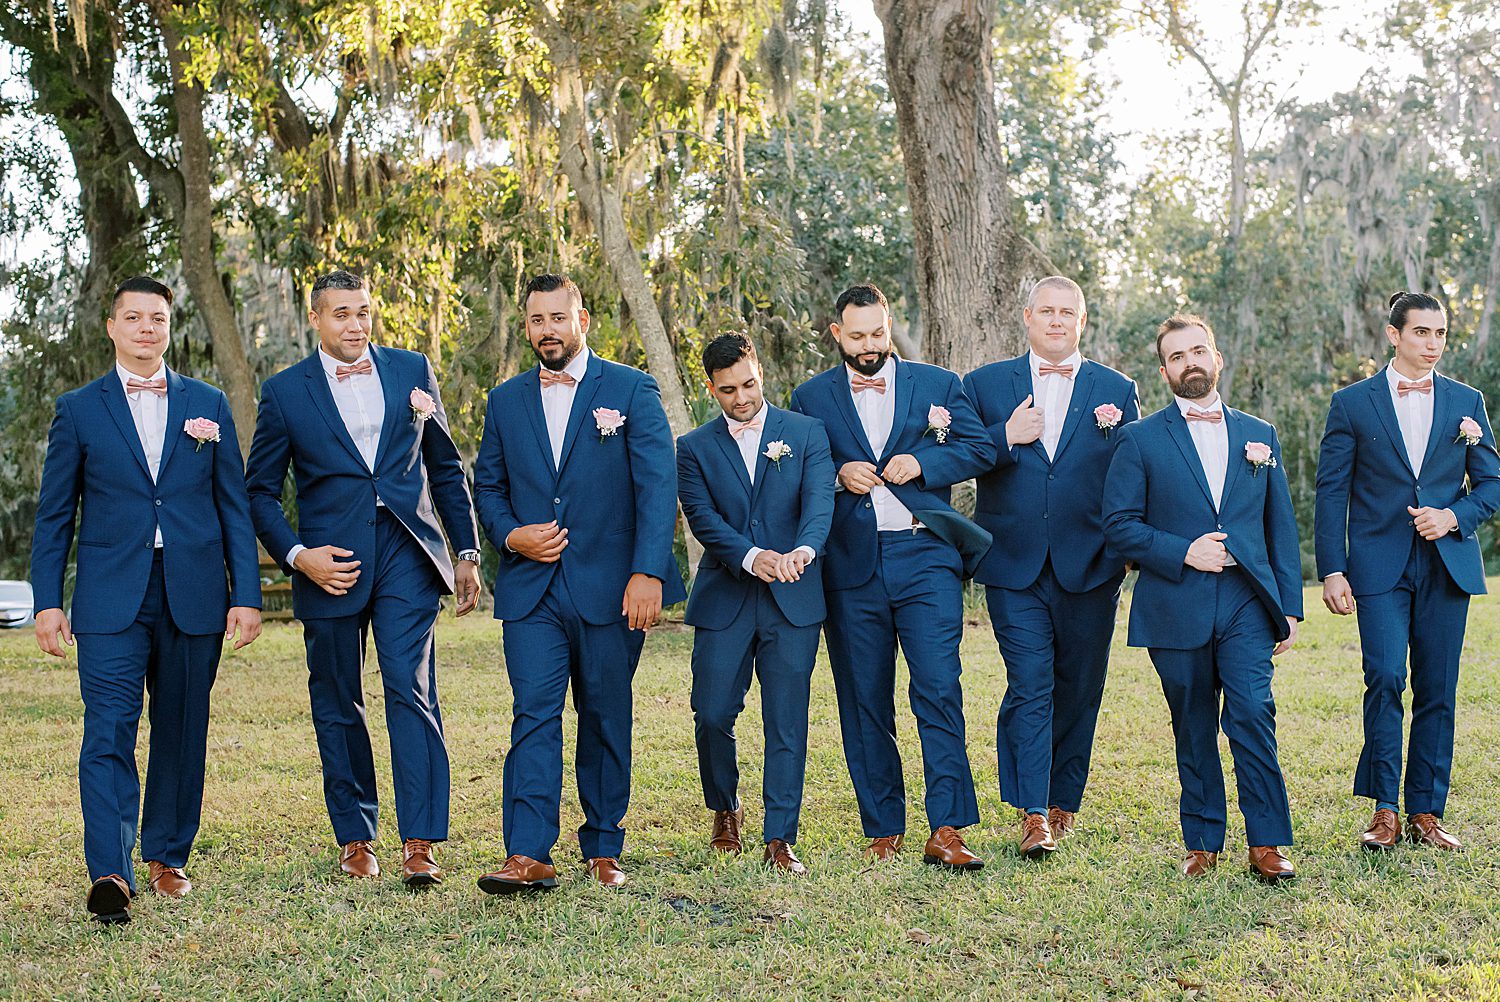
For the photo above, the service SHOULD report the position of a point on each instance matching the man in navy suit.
(1051, 585)
(757, 490)
(167, 571)
(576, 486)
(902, 434)
(1406, 473)
(364, 432)
(1196, 497)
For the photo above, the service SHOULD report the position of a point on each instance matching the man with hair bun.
(1406, 474)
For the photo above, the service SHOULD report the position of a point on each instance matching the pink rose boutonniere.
(1469, 432)
(422, 405)
(200, 430)
(1258, 455)
(608, 421)
(777, 451)
(938, 420)
(1106, 417)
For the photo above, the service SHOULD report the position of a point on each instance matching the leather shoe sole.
(1378, 846)
(930, 860)
(108, 903)
(1272, 878)
(491, 884)
(1039, 851)
(415, 880)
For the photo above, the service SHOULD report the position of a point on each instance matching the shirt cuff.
(749, 562)
(291, 555)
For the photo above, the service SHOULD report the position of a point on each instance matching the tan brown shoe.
(779, 856)
(520, 873)
(946, 848)
(1062, 822)
(1036, 836)
(168, 881)
(109, 900)
(726, 833)
(884, 848)
(1198, 863)
(606, 870)
(418, 868)
(357, 859)
(1268, 864)
(1384, 831)
(1427, 829)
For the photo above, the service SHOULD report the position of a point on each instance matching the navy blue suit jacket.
(1036, 507)
(615, 494)
(418, 474)
(789, 505)
(967, 452)
(95, 456)
(1157, 501)
(1365, 483)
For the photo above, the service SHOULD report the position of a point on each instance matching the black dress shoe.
(109, 900)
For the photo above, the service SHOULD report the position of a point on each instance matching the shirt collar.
(1186, 405)
(764, 412)
(1075, 360)
(1393, 377)
(126, 375)
(331, 364)
(887, 371)
(578, 366)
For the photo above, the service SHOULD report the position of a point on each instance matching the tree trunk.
(974, 267)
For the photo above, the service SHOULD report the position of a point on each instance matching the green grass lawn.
(1105, 917)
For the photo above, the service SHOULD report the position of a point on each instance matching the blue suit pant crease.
(1055, 646)
(177, 670)
(401, 613)
(1232, 670)
(546, 651)
(914, 598)
(1426, 614)
(759, 641)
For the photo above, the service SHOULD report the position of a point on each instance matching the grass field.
(1107, 917)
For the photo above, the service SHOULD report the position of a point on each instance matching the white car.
(15, 604)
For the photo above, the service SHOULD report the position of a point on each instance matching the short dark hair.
(725, 351)
(1181, 321)
(345, 281)
(866, 294)
(1403, 303)
(551, 283)
(140, 283)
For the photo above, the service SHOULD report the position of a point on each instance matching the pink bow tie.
(1403, 387)
(1212, 417)
(360, 368)
(1048, 369)
(741, 428)
(157, 386)
(558, 378)
(860, 383)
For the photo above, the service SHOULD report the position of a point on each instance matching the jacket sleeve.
(492, 484)
(718, 537)
(265, 477)
(56, 509)
(233, 505)
(445, 474)
(1125, 526)
(1482, 465)
(1004, 454)
(1331, 506)
(817, 491)
(653, 471)
(1281, 535)
(967, 451)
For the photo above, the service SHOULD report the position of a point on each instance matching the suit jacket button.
(868, 505)
(370, 522)
(158, 502)
(755, 521)
(557, 500)
(1051, 476)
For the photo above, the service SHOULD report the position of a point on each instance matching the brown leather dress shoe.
(1062, 822)
(1198, 863)
(418, 868)
(109, 900)
(1384, 831)
(168, 881)
(884, 848)
(357, 859)
(1036, 836)
(726, 833)
(779, 856)
(520, 873)
(606, 870)
(946, 848)
(1268, 864)
(1427, 829)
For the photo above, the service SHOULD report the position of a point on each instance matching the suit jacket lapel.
(1380, 397)
(1442, 416)
(119, 409)
(532, 393)
(176, 406)
(583, 397)
(768, 434)
(1234, 424)
(397, 405)
(1083, 386)
(1021, 380)
(731, 450)
(843, 398)
(1177, 426)
(322, 398)
(905, 389)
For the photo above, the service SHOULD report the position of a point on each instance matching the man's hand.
(642, 604)
(1432, 523)
(1337, 595)
(245, 620)
(859, 477)
(902, 469)
(335, 577)
(541, 542)
(792, 565)
(466, 586)
(1207, 553)
(1025, 424)
(49, 623)
(1291, 637)
(766, 565)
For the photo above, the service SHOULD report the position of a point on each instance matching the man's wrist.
(1333, 574)
(748, 561)
(291, 555)
(472, 556)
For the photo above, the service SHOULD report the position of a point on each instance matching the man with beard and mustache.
(1197, 498)
(576, 485)
(902, 434)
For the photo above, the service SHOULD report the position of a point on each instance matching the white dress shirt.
(1053, 393)
(877, 412)
(1413, 414)
(1212, 442)
(749, 446)
(557, 404)
(149, 412)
